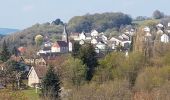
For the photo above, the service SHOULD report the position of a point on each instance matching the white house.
(119, 41)
(48, 44)
(165, 38)
(45, 50)
(60, 46)
(35, 75)
(75, 36)
(146, 29)
(82, 36)
(94, 33)
(104, 38)
(94, 41)
(101, 46)
(116, 40)
(168, 24)
(160, 25)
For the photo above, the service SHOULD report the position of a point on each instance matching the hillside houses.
(99, 40)
(162, 33)
(60, 46)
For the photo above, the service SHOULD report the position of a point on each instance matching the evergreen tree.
(132, 43)
(5, 54)
(51, 85)
(88, 55)
(76, 48)
(15, 51)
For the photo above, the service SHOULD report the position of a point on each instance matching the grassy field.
(31, 94)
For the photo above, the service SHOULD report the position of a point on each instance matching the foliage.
(75, 71)
(5, 54)
(38, 40)
(58, 22)
(88, 56)
(100, 22)
(152, 78)
(51, 85)
(13, 74)
(117, 66)
(10, 95)
(112, 90)
(26, 36)
(76, 49)
(157, 14)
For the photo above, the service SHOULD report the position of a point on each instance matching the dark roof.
(52, 55)
(40, 71)
(62, 43)
(99, 39)
(87, 34)
(47, 48)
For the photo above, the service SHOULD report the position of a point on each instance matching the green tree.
(15, 51)
(13, 73)
(5, 54)
(75, 71)
(51, 85)
(88, 56)
(38, 39)
(76, 49)
(157, 14)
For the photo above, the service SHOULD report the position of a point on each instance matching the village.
(36, 67)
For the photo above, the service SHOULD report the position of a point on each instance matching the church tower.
(65, 35)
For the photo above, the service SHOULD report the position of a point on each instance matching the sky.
(20, 14)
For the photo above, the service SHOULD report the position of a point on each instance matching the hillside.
(76, 24)
(5, 31)
(26, 36)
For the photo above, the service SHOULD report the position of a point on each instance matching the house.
(45, 49)
(48, 44)
(159, 26)
(35, 75)
(82, 36)
(101, 46)
(88, 36)
(35, 61)
(60, 46)
(103, 37)
(94, 41)
(146, 29)
(168, 28)
(165, 38)
(94, 33)
(22, 50)
(75, 36)
(118, 41)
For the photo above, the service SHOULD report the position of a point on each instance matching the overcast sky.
(24, 13)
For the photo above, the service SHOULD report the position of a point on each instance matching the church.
(58, 47)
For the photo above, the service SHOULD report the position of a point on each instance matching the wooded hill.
(100, 22)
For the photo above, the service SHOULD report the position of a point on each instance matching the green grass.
(31, 94)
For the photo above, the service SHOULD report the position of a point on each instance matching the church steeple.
(65, 34)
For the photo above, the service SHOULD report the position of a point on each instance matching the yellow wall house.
(35, 75)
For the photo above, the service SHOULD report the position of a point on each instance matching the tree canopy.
(100, 22)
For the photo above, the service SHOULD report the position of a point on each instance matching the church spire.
(65, 34)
